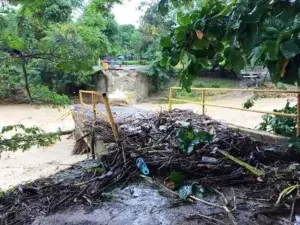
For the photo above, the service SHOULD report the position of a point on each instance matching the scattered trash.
(185, 191)
(297, 220)
(140, 163)
(188, 155)
(206, 159)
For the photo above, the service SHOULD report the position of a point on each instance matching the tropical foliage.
(280, 124)
(25, 137)
(158, 75)
(189, 139)
(234, 34)
(43, 44)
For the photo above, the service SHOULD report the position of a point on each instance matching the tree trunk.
(26, 81)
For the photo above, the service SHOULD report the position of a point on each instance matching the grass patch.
(136, 62)
(204, 83)
(214, 83)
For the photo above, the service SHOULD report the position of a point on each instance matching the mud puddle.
(143, 204)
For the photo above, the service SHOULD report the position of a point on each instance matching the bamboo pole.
(110, 117)
(94, 106)
(298, 115)
(88, 92)
(229, 107)
(81, 102)
(170, 99)
(203, 102)
(242, 90)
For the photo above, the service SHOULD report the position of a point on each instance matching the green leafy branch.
(280, 124)
(235, 35)
(42, 94)
(250, 102)
(25, 137)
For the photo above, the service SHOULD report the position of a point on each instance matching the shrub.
(280, 124)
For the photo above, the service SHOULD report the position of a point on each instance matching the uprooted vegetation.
(280, 124)
(188, 156)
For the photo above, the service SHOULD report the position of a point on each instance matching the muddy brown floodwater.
(21, 167)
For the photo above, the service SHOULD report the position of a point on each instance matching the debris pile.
(176, 151)
(183, 141)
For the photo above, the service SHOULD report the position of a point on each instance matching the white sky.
(125, 13)
(128, 13)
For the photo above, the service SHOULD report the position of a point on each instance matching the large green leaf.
(256, 54)
(272, 28)
(271, 50)
(234, 59)
(180, 34)
(163, 6)
(163, 62)
(195, 15)
(274, 68)
(185, 58)
(174, 59)
(200, 44)
(289, 49)
(183, 19)
(200, 24)
(297, 22)
(166, 42)
(188, 139)
(255, 15)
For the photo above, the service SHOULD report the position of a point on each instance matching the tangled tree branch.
(24, 138)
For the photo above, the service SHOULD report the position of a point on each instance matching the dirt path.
(19, 167)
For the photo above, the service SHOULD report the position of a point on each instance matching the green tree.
(153, 26)
(234, 34)
(127, 39)
(43, 48)
(47, 47)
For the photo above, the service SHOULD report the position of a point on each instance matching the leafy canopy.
(43, 44)
(234, 34)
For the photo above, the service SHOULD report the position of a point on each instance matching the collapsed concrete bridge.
(127, 83)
